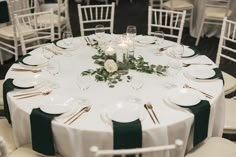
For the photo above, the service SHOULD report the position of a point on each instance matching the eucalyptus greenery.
(138, 64)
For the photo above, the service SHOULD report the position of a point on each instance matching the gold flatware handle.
(154, 114)
(34, 71)
(25, 94)
(28, 96)
(145, 105)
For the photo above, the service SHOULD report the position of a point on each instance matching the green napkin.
(196, 52)
(41, 131)
(127, 135)
(7, 87)
(201, 113)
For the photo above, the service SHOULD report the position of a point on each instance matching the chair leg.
(190, 21)
(200, 32)
(117, 2)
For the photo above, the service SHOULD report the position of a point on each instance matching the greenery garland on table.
(113, 71)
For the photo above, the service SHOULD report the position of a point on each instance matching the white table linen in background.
(209, 30)
(75, 140)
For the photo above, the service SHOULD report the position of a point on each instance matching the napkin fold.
(4, 12)
(20, 60)
(218, 74)
(7, 87)
(201, 113)
(55, 43)
(127, 135)
(196, 52)
(41, 131)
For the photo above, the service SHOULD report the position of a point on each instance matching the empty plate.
(25, 83)
(55, 108)
(124, 111)
(34, 60)
(185, 97)
(188, 52)
(65, 43)
(145, 39)
(201, 72)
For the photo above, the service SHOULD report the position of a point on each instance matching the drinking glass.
(131, 31)
(172, 72)
(46, 53)
(99, 32)
(136, 84)
(83, 83)
(53, 69)
(178, 51)
(67, 37)
(159, 35)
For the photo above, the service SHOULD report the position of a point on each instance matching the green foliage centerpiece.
(112, 71)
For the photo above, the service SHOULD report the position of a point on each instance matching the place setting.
(191, 100)
(203, 73)
(181, 51)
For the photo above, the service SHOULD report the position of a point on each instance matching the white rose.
(110, 66)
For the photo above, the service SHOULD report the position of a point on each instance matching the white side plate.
(34, 60)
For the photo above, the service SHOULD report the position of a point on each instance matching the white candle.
(122, 51)
(110, 50)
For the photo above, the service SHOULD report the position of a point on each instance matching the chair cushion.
(6, 133)
(45, 19)
(178, 5)
(230, 115)
(26, 151)
(8, 33)
(230, 83)
(214, 147)
(216, 13)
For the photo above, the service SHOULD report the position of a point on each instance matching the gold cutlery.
(31, 94)
(165, 48)
(151, 108)
(188, 64)
(86, 41)
(53, 51)
(146, 107)
(207, 95)
(77, 115)
(24, 69)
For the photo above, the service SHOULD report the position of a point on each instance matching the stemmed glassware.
(159, 35)
(46, 53)
(172, 72)
(53, 69)
(83, 83)
(136, 84)
(67, 38)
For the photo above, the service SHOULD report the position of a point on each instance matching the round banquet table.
(90, 129)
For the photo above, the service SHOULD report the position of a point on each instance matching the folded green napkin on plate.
(41, 131)
(127, 135)
(201, 113)
(20, 60)
(218, 74)
(7, 87)
(196, 52)
(55, 43)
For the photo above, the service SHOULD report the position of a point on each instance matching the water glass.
(46, 53)
(178, 51)
(159, 35)
(131, 31)
(67, 37)
(99, 31)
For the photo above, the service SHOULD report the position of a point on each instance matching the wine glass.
(53, 69)
(136, 84)
(178, 51)
(159, 35)
(172, 72)
(67, 37)
(46, 53)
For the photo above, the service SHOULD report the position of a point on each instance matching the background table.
(76, 139)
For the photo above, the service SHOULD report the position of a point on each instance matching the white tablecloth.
(209, 30)
(75, 140)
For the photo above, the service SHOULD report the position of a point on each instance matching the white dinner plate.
(185, 97)
(145, 39)
(124, 111)
(188, 52)
(62, 44)
(201, 72)
(34, 60)
(25, 82)
(55, 108)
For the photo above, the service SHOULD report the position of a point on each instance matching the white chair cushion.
(230, 83)
(230, 115)
(45, 19)
(8, 33)
(214, 147)
(26, 151)
(1, 95)
(178, 5)
(6, 133)
(216, 13)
